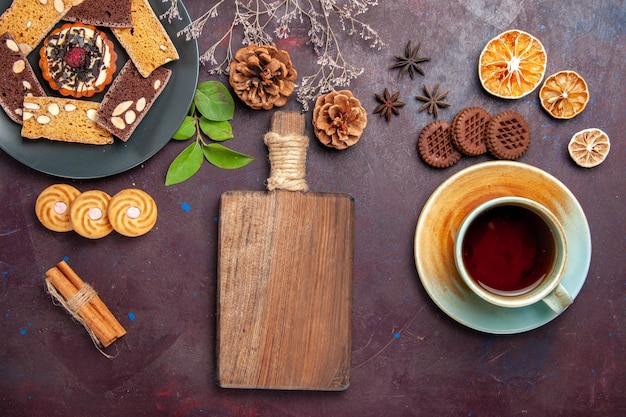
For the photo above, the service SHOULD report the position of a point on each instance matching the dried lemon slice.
(589, 147)
(512, 64)
(564, 94)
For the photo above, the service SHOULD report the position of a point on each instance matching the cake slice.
(18, 80)
(29, 21)
(129, 98)
(109, 13)
(63, 119)
(147, 43)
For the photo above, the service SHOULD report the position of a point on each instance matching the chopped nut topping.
(53, 109)
(59, 6)
(130, 117)
(122, 107)
(92, 114)
(118, 122)
(42, 120)
(141, 104)
(19, 66)
(12, 45)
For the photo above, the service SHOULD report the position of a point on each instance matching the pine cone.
(262, 76)
(339, 119)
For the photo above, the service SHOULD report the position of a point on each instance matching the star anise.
(410, 62)
(433, 100)
(388, 104)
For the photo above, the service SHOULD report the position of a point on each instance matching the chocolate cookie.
(467, 131)
(435, 147)
(507, 135)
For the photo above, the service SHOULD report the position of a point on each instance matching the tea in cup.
(512, 252)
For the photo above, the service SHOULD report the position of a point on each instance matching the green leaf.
(224, 158)
(186, 164)
(186, 130)
(213, 101)
(218, 131)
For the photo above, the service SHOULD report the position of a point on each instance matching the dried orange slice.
(512, 64)
(589, 147)
(564, 94)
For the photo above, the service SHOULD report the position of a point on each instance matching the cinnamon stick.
(96, 317)
(95, 301)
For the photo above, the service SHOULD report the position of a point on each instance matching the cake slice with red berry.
(77, 60)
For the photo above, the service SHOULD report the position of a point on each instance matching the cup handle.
(559, 299)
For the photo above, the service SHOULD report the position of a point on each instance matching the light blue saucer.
(447, 207)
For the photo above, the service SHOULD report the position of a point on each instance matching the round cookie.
(53, 207)
(435, 147)
(89, 214)
(467, 131)
(507, 135)
(132, 212)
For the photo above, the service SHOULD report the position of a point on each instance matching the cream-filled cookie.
(53, 207)
(89, 216)
(132, 212)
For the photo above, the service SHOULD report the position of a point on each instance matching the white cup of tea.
(512, 252)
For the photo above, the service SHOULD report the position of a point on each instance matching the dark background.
(409, 358)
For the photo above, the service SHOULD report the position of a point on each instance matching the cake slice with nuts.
(18, 79)
(147, 42)
(29, 21)
(129, 98)
(63, 119)
(108, 13)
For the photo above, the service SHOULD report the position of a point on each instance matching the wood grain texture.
(285, 290)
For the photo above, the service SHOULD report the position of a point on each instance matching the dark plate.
(70, 160)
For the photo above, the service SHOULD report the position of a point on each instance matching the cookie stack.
(94, 214)
(472, 132)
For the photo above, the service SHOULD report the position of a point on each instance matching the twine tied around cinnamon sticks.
(82, 302)
(287, 145)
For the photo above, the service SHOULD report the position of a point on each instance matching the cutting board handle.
(287, 145)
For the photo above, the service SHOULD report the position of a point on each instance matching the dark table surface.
(409, 358)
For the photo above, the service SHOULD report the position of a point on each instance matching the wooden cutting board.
(285, 284)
